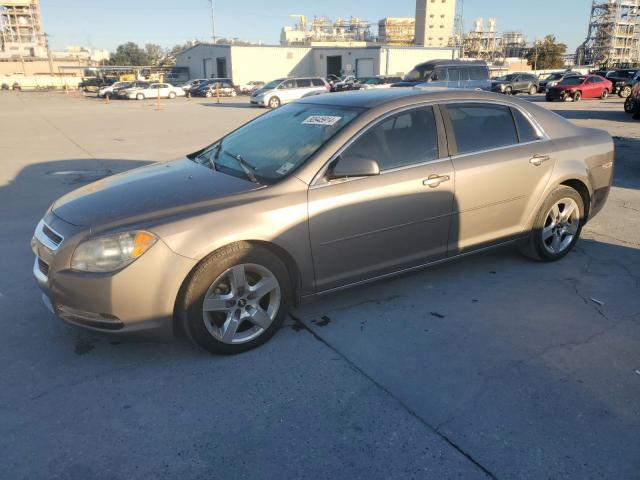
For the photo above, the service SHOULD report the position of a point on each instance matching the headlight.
(111, 252)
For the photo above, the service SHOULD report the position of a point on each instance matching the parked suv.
(224, 87)
(285, 90)
(381, 81)
(514, 83)
(630, 102)
(448, 74)
(635, 100)
(621, 80)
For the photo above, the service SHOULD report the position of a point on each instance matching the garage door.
(364, 67)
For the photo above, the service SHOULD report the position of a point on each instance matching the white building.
(435, 20)
(245, 63)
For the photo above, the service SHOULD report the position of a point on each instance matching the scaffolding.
(322, 29)
(398, 31)
(613, 38)
(21, 28)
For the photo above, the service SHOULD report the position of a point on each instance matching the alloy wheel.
(561, 226)
(241, 303)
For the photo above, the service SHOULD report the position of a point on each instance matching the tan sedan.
(322, 194)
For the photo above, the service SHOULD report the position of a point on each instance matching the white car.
(162, 90)
(250, 86)
(108, 90)
(285, 90)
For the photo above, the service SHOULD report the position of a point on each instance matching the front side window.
(275, 144)
(439, 75)
(479, 127)
(420, 74)
(404, 139)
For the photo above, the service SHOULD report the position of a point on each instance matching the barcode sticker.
(321, 120)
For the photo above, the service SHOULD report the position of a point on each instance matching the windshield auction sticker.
(321, 120)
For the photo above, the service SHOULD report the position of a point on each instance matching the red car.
(577, 88)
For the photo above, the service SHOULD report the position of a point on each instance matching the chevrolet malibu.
(322, 194)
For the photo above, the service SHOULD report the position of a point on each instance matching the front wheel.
(236, 299)
(636, 111)
(140, 96)
(208, 94)
(577, 97)
(557, 226)
(274, 102)
(605, 94)
(624, 92)
(548, 98)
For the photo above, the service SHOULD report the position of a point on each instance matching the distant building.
(434, 22)
(21, 33)
(397, 31)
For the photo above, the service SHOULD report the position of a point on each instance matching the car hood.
(148, 192)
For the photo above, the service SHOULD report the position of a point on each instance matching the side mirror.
(354, 167)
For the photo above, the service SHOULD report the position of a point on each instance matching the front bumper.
(261, 102)
(137, 299)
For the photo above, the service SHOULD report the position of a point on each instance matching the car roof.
(453, 63)
(398, 97)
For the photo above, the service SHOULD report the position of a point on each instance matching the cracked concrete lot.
(489, 367)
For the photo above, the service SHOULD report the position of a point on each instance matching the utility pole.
(213, 23)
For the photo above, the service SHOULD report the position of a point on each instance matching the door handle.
(538, 160)
(435, 180)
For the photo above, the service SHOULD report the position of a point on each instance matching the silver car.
(285, 90)
(319, 195)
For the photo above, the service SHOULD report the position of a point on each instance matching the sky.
(106, 24)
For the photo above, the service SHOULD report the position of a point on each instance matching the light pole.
(213, 23)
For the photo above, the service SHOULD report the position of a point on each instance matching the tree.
(129, 54)
(546, 54)
(155, 54)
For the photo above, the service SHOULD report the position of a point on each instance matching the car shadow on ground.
(627, 165)
(230, 104)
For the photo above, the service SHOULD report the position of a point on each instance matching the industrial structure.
(434, 22)
(397, 31)
(613, 38)
(483, 42)
(322, 31)
(21, 31)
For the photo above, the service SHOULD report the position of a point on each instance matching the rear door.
(499, 176)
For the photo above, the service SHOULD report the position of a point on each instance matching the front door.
(503, 163)
(361, 228)
(221, 67)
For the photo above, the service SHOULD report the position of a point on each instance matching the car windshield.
(278, 142)
(369, 81)
(418, 74)
(273, 84)
(572, 81)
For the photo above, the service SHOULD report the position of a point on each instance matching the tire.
(577, 97)
(548, 98)
(231, 313)
(533, 90)
(140, 96)
(274, 102)
(628, 105)
(233, 93)
(543, 236)
(605, 94)
(172, 95)
(208, 94)
(624, 92)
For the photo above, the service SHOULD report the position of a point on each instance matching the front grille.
(43, 267)
(51, 235)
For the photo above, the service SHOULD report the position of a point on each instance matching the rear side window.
(303, 83)
(526, 131)
(479, 127)
(403, 139)
(479, 73)
(316, 82)
(454, 74)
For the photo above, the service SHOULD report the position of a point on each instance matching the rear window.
(471, 122)
(479, 73)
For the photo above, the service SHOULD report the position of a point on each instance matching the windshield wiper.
(247, 168)
(207, 157)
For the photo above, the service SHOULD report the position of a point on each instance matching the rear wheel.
(172, 95)
(624, 92)
(557, 226)
(236, 299)
(628, 105)
(274, 102)
(605, 94)
(140, 96)
(533, 90)
(208, 94)
(577, 97)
